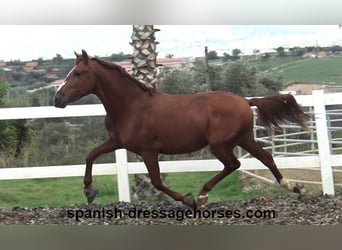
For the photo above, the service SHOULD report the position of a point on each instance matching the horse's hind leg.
(151, 162)
(266, 158)
(230, 164)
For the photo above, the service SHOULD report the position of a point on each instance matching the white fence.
(324, 160)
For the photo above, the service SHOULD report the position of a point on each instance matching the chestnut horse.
(148, 122)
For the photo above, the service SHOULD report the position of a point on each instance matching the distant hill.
(325, 70)
(319, 70)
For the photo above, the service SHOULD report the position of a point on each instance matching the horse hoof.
(299, 188)
(90, 192)
(189, 200)
(202, 199)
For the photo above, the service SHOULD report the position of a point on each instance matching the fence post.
(123, 181)
(323, 142)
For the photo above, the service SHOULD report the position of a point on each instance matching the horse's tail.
(277, 109)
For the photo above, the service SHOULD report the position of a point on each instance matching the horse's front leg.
(151, 162)
(106, 147)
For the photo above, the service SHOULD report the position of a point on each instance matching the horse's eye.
(77, 74)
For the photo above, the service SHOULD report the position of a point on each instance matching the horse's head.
(79, 82)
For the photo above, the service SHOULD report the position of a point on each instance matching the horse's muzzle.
(60, 100)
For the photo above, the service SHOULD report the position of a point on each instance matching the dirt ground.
(313, 210)
(295, 174)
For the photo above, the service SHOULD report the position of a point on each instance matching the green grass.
(324, 70)
(54, 191)
(297, 69)
(68, 191)
(271, 63)
(230, 188)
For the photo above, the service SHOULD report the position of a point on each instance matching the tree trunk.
(144, 61)
(144, 68)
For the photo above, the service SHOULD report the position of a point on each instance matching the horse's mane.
(124, 73)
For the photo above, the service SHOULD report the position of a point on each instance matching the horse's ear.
(85, 56)
(78, 57)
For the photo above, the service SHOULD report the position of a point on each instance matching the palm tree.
(144, 68)
(144, 61)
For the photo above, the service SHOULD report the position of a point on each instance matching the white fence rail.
(324, 160)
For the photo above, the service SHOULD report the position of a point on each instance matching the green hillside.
(296, 69)
(275, 62)
(323, 70)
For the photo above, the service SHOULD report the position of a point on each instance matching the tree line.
(238, 77)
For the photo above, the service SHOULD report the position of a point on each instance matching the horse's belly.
(180, 143)
(165, 140)
(181, 149)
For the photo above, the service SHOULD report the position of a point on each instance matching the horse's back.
(211, 117)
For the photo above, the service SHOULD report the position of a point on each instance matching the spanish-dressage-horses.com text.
(172, 214)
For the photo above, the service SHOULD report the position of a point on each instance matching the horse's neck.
(119, 94)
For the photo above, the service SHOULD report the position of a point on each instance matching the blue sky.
(44, 41)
